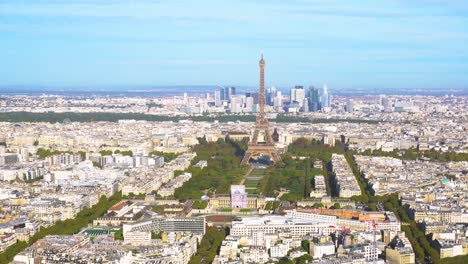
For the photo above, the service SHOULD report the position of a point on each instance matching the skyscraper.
(233, 90)
(254, 96)
(278, 100)
(249, 102)
(236, 104)
(314, 99)
(349, 105)
(217, 97)
(298, 95)
(305, 105)
(222, 94)
(227, 95)
(268, 97)
(326, 97)
(272, 95)
(387, 105)
(229, 92)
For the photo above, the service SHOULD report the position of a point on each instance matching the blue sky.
(355, 44)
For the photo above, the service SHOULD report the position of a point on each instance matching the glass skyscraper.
(314, 99)
(326, 97)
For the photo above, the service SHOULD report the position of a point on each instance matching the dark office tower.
(229, 92)
(222, 93)
(314, 99)
(255, 97)
(268, 97)
(227, 96)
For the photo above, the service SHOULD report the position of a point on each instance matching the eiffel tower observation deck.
(257, 148)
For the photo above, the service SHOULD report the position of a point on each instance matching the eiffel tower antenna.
(255, 147)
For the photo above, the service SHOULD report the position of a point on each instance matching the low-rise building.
(318, 250)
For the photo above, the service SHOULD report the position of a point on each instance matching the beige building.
(137, 238)
(400, 255)
(7, 240)
(327, 201)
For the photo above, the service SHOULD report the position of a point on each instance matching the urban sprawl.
(112, 179)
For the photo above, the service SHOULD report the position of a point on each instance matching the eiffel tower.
(255, 147)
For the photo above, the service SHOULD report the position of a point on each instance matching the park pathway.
(252, 178)
(246, 175)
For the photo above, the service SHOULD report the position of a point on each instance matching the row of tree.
(209, 245)
(52, 117)
(44, 153)
(117, 151)
(168, 156)
(67, 227)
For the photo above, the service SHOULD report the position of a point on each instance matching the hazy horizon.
(167, 90)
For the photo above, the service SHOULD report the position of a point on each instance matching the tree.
(364, 199)
(318, 205)
(105, 152)
(168, 156)
(303, 259)
(124, 152)
(222, 171)
(285, 260)
(305, 244)
(209, 245)
(156, 235)
(118, 235)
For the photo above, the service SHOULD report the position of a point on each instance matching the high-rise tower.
(326, 97)
(314, 99)
(298, 95)
(267, 147)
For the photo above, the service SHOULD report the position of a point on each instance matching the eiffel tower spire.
(261, 126)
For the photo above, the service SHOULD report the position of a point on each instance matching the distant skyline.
(354, 44)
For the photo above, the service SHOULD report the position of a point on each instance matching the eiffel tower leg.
(255, 137)
(274, 156)
(268, 136)
(246, 159)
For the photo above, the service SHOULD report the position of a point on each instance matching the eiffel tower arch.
(257, 148)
